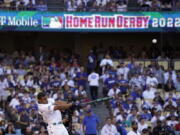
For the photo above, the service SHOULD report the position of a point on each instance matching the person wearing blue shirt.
(90, 123)
(110, 81)
(91, 62)
(146, 115)
(121, 129)
(55, 83)
(81, 77)
(136, 93)
(123, 84)
(45, 84)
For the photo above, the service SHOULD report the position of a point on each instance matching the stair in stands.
(132, 5)
(55, 5)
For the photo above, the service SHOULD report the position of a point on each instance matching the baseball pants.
(57, 130)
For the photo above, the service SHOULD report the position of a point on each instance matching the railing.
(175, 63)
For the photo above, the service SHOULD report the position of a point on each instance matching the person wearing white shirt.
(30, 82)
(104, 76)
(157, 117)
(156, 105)
(26, 98)
(152, 81)
(3, 86)
(148, 93)
(172, 122)
(135, 81)
(51, 113)
(106, 61)
(109, 128)
(123, 70)
(1, 70)
(170, 73)
(14, 102)
(122, 7)
(113, 91)
(134, 130)
(26, 2)
(93, 80)
(80, 91)
(142, 125)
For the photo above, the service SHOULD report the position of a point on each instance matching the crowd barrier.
(175, 63)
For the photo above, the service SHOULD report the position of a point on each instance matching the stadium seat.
(140, 62)
(147, 63)
(148, 100)
(178, 93)
(164, 63)
(115, 63)
(177, 65)
(128, 129)
(126, 62)
(149, 123)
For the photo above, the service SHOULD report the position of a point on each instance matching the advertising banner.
(90, 21)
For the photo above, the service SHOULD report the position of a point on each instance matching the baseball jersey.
(93, 79)
(49, 114)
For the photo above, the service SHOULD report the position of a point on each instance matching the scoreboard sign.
(90, 21)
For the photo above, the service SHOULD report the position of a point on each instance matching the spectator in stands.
(28, 131)
(109, 128)
(169, 86)
(142, 125)
(20, 5)
(121, 6)
(43, 131)
(91, 62)
(93, 80)
(10, 129)
(177, 4)
(177, 126)
(134, 130)
(159, 74)
(145, 132)
(23, 120)
(177, 84)
(31, 6)
(41, 6)
(1, 132)
(122, 70)
(155, 5)
(81, 77)
(151, 80)
(105, 62)
(145, 4)
(90, 123)
(7, 4)
(166, 5)
(149, 93)
(114, 91)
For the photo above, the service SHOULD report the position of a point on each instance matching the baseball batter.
(51, 112)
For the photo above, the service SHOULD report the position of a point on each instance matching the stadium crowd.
(144, 98)
(39, 5)
(121, 5)
(93, 5)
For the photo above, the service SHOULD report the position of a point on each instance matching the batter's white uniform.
(52, 118)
